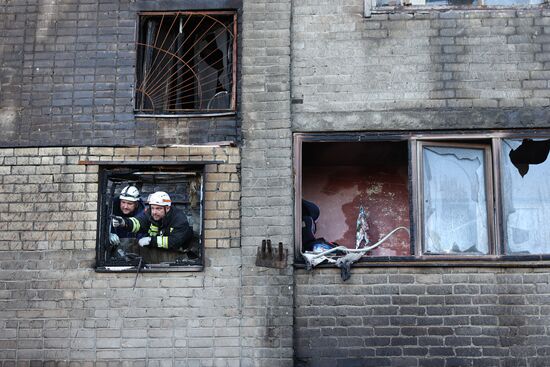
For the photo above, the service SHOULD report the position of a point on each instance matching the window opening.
(358, 192)
(186, 62)
(463, 197)
(150, 218)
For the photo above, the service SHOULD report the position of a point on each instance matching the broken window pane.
(186, 62)
(526, 195)
(454, 201)
(338, 178)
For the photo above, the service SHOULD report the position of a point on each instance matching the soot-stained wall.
(451, 70)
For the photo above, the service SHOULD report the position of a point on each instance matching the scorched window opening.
(144, 235)
(465, 197)
(186, 62)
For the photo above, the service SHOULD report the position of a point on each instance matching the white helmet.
(129, 193)
(160, 198)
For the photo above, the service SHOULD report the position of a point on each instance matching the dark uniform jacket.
(171, 232)
(126, 232)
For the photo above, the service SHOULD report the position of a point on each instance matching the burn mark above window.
(186, 62)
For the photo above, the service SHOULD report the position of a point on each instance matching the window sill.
(149, 269)
(443, 261)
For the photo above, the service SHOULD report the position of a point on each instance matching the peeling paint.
(374, 189)
(387, 206)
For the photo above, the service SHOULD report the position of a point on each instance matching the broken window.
(454, 200)
(354, 193)
(526, 195)
(186, 62)
(460, 196)
(150, 218)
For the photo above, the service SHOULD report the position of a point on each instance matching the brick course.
(469, 325)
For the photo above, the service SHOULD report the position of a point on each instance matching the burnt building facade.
(432, 117)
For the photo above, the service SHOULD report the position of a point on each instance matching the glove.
(117, 221)
(145, 241)
(114, 240)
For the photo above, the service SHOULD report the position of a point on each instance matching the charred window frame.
(454, 198)
(186, 62)
(499, 216)
(340, 174)
(184, 184)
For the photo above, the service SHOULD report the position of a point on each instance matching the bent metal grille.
(186, 62)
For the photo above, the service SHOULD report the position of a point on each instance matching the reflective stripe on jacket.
(172, 232)
(125, 232)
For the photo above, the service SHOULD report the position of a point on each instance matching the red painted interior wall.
(340, 177)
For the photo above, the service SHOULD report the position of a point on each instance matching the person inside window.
(127, 204)
(165, 226)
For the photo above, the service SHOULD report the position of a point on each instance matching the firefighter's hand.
(145, 241)
(114, 239)
(117, 221)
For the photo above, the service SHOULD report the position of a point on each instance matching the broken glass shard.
(526, 195)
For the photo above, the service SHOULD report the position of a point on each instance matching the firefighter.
(127, 204)
(165, 226)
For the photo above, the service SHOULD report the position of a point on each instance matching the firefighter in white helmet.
(166, 226)
(127, 204)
